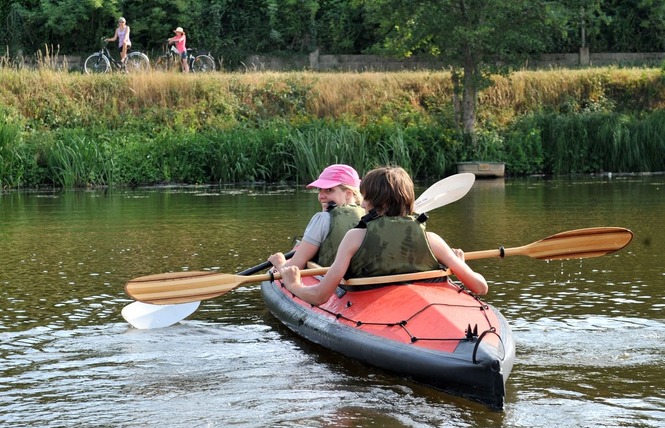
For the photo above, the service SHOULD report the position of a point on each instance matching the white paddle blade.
(146, 316)
(445, 192)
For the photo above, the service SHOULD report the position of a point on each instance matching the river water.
(590, 333)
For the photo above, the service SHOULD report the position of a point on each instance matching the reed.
(311, 150)
(243, 155)
(602, 142)
(523, 151)
(643, 151)
(78, 161)
(12, 161)
(49, 59)
(6, 60)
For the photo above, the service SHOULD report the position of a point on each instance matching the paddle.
(444, 192)
(146, 315)
(574, 244)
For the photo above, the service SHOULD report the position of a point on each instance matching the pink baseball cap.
(334, 175)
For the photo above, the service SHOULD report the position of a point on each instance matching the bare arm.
(304, 253)
(114, 38)
(315, 232)
(175, 39)
(444, 254)
(320, 293)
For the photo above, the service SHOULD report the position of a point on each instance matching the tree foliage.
(234, 29)
(476, 37)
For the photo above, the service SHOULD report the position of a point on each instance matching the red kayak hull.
(431, 332)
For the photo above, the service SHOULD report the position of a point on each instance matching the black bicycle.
(102, 61)
(198, 63)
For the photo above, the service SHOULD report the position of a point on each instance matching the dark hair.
(389, 190)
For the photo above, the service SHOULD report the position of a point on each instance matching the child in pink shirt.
(180, 39)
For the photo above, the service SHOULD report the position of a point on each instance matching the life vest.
(392, 245)
(342, 219)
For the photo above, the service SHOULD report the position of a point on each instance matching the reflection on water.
(590, 333)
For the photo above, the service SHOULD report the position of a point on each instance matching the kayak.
(431, 331)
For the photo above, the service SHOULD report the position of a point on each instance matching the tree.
(475, 37)
(153, 21)
(62, 22)
(633, 26)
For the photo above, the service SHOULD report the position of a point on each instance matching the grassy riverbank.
(72, 130)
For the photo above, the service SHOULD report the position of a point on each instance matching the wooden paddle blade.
(200, 273)
(573, 244)
(145, 315)
(174, 275)
(177, 287)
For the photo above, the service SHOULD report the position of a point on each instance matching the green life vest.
(342, 219)
(392, 245)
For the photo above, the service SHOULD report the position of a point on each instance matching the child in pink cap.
(337, 174)
(339, 195)
(392, 241)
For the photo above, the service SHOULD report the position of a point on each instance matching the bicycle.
(199, 63)
(102, 62)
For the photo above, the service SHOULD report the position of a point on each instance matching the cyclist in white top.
(122, 36)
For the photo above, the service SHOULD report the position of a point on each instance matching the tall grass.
(311, 150)
(599, 141)
(78, 161)
(249, 155)
(12, 159)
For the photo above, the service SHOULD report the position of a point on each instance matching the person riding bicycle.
(122, 36)
(180, 40)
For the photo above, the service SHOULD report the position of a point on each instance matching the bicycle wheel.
(203, 64)
(96, 63)
(164, 63)
(136, 62)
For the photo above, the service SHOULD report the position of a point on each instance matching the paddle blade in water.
(146, 316)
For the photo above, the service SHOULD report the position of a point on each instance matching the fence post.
(584, 56)
(314, 60)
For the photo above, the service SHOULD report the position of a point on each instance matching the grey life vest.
(342, 219)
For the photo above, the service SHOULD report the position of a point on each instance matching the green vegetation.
(72, 130)
(234, 29)
(476, 40)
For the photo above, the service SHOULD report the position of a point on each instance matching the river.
(590, 334)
